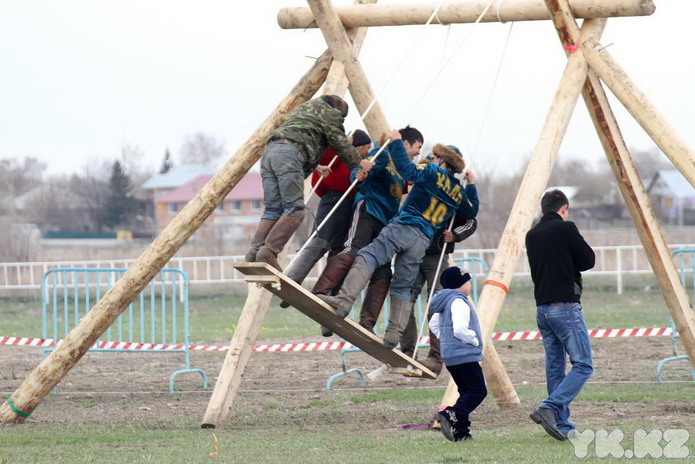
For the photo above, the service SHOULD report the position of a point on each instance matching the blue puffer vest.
(454, 351)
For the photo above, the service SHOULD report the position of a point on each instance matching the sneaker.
(284, 304)
(546, 418)
(447, 419)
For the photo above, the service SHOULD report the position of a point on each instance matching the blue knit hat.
(454, 277)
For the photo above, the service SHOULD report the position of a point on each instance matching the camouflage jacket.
(314, 126)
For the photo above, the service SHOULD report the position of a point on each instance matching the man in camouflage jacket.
(292, 153)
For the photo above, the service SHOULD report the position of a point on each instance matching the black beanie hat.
(454, 277)
(359, 138)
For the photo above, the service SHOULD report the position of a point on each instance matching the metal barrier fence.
(156, 322)
(611, 261)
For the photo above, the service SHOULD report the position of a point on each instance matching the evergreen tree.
(167, 163)
(120, 201)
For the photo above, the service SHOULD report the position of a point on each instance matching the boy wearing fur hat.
(332, 183)
(292, 153)
(435, 195)
(455, 322)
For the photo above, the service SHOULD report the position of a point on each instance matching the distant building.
(177, 176)
(673, 198)
(234, 219)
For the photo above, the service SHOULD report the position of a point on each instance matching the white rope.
(492, 91)
(499, 5)
(405, 56)
(423, 322)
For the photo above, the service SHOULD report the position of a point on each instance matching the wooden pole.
(534, 183)
(631, 186)
(400, 14)
(339, 43)
(52, 369)
(639, 106)
(256, 306)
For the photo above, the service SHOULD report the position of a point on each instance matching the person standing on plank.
(291, 155)
(435, 195)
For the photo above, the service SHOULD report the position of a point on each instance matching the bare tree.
(202, 149)
(132, 158)
(92, 187)
(16, 178)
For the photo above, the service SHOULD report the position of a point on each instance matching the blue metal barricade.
(686, 265)
(157, 318)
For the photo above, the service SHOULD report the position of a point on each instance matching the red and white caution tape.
(323, 346)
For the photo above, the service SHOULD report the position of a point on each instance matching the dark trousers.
(471, 386)
(335, 230)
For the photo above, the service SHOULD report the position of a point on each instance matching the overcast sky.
(80, 79)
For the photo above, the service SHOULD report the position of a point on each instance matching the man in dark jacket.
(291, 155)
(557, 254)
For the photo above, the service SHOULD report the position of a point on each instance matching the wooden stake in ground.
(52, 369)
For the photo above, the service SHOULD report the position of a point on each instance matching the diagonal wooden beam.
(629, 181)
(452, 12)
(52, 369)
(639, 106)
(338, 42)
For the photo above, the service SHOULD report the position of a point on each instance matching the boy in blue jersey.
(455, 323)
(435, 195)
(376, 203)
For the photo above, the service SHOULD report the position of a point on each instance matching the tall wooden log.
(639, 106)
(254, 311)
(339, 43)
(402, 14)
(534, 183)
(52, 369)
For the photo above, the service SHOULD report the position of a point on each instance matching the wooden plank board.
(314, 308)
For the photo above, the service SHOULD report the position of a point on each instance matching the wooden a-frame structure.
(587, 67)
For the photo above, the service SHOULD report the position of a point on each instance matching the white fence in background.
(615, 262)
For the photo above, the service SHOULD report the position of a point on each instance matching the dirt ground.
(113, 387)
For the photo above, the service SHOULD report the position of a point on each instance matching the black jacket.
(557, 254)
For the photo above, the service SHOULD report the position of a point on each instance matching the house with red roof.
(234, 219)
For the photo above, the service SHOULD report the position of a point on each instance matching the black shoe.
(326, 332)
(546, 418)
(284, 304)
(447, 419)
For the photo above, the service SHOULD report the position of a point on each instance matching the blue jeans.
(282, 171)
(564, 333)
(408, 245)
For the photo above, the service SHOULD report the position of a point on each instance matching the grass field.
(354, 425)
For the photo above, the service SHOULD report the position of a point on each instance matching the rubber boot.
(259, 238)
(277, 238)
(433, 361)
(354, 283)
(336, 269)
(305, 261)
(398, 320)
(373, 302)
(409, 337)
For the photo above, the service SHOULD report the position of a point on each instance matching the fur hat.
(337, 103)
(454, 277)
(359, 138)
(451, 155)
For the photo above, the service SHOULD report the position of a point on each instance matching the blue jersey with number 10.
(434, 197)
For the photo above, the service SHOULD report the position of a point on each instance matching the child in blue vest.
(455, 324)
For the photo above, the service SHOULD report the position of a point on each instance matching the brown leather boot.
(277, 238)
(334, 272)
(373, 302)
(399, 314)
(355, 281)
(259, 238)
